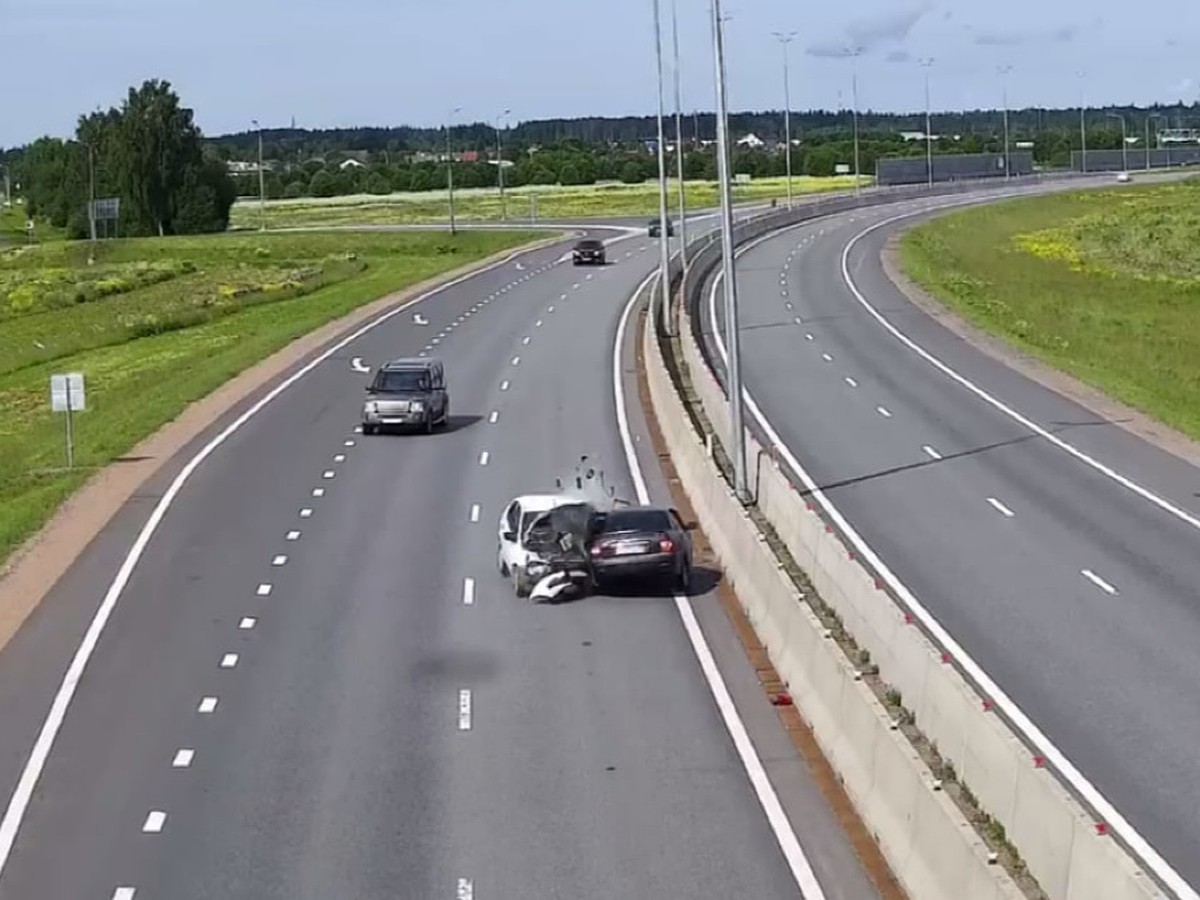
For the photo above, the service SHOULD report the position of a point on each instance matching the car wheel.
(503, 566)
(368, 429)
(429, 423)
(520, 584)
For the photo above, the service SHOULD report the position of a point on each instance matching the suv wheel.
(368, 429)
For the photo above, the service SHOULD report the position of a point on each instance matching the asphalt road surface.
(1078, 595)
(316, 684)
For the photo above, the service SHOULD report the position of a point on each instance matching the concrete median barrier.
(925, 835)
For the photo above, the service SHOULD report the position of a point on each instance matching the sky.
(392, 62)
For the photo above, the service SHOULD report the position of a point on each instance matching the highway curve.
(1075, 591)
(276, 710)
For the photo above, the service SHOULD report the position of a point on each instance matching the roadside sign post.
(67, 396)
(533, 207)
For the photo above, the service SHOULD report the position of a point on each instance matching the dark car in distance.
(642, 542)
(655, 228)
(408, 392)
(588, 250)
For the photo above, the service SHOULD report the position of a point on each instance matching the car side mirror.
(510, 535)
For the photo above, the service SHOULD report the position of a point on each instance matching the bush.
(569, 174)
(293, 191)
(322, 185)
(632, 173)
(377, 184)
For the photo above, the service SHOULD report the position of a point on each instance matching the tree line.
(148, 152)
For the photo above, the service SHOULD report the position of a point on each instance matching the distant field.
(158, 323)
(483, 204)
(1104, 285)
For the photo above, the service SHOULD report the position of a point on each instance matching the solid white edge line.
(468, 597)
(18, 803)
(1055, 757)
(801, 870)
(933, 453)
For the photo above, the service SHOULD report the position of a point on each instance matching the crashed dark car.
(559, 563)
(654, 229)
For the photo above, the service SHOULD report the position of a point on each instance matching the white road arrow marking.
(357, 365)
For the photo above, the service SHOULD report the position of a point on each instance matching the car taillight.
(597, 550)
(665, 544)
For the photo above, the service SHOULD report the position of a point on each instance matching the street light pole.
(683, 260)
(262, 181)
(925, 64)
(1004, 70)
(1124, 140)
(784, 40)
(450, 168)
(855, 53)
(737, 440)
(500, 166)
(664, 238)
(1082, 125)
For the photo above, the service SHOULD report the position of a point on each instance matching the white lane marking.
(358, 429)
(564, 296)
(808, 337)
(339, 457)
(466, 890)
(483, 458)
(1000, 507)
(436, 341)
(124, 893)
(493, 417)
(207, 705)
(306, 513)
(349, 442)
(328, 473)
(788, 305)
(292, 536)
(419, 319)
(574, 287)
(19, 801)
(802, 871)
(590, 276)
(516, 360)
(468, 597)
(247, 623)
(423, 353)
(826, 357)
(850, 381)
(883, 411)
(1054, 756)
(229, 660)
(155, 821)
(929, 450)
(1098, 581)
(357, 365)
(183, 758)
(474, 512)
(551, 309)
(464, 709)
(537, 324)
(279, 560)
(504, 385)
(525, 340)
(318, 492)
(263, 590)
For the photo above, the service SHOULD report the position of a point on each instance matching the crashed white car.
(536, 530)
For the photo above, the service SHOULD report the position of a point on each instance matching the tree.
(631, 173)
(293, 191)
(377, 184)
(322, 184)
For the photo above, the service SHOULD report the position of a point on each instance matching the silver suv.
(407, 392)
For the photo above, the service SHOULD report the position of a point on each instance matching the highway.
(316, 684)
(1060, 550)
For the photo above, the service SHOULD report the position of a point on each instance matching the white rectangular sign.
(67, 386)
(842, 168)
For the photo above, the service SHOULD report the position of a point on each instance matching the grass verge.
(483, 204)
(1103, 285)
(156, 324)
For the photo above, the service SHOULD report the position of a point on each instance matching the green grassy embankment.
(483, 205)
(1104, 285)
(156, 324)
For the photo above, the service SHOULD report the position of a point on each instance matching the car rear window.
(589, 245)
(637, 520)
(401, 380)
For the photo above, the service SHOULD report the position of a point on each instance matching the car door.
(507, 533)
(682, 535)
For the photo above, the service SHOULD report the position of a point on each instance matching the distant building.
(751, 140)
(350, 164)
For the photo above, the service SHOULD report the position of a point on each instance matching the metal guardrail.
(704, 258)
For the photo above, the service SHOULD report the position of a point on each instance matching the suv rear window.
(589, 245)
(637, 520)
(401, 380)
